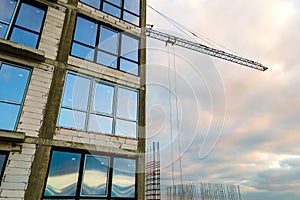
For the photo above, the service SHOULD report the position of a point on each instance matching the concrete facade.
(37, 133)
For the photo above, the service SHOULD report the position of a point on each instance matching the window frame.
(97, 48)
(12, 23)
(90, 102)
(122, 10)
(83, 154)
(24, 95)
(6, 153)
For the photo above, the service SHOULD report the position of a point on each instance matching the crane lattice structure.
(203, 49)
(153, 173)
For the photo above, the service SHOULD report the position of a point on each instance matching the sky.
(226, 123)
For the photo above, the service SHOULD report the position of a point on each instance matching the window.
(101, 44)
(21, 22)
(76, 175)
(127, 10)
(3, 160)
(13, 86)
(97, 106)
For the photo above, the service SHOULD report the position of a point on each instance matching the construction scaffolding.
(204, 191)
(153, 173)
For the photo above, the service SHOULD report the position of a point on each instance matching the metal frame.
(96, 48)
(14, 17)
(90, 103)
(203, 49)
(24, 95)
(83, 154)
(122, 10)
(6, 153)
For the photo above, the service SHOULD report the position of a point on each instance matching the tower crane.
(203, 49)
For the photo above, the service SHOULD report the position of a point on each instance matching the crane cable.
(185, 29)
(177, 114)
(170, 118)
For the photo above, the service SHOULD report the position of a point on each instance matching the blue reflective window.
(23, 26)
(96, 106)
(13, 86)
(82, 51)
(95, 176)
(63, 174)
(30, 17)
(103, 98)
(84, 176)
(129, 66)
(94, 3)
(76, 92)
(123, 182)
(130, 47)
(3, 160)
(132, 6)
(109, 40)
(24, 37)
(85, 32)
(127, 10)
(105, 46)
(7, 9)
(127, 104)
(107, 59)
(112, 10)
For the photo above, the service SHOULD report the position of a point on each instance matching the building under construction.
(204, 191)
(72, 99)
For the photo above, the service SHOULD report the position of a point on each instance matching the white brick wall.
(35, 101)
(52, 32)
(95, 139)
(17, 173)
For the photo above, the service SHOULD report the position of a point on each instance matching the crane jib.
(203, 49)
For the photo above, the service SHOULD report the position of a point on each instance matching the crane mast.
(203, 49)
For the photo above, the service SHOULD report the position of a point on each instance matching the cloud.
(259, 145)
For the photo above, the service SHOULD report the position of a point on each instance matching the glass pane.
(63, 174)
(95, 176)
(9, 114)
(116, 2)
(132, 6)
(76, 92)
(126, 129)
(93, 3)
(123, 182)
(107, 59)
(30, 17)
(83, 52)
(24, 37)
(71, 119)
(131, 18)
(13, 83)
(109, 40)
(3, 29)
(2, 160)
(130, 67)
(127, 104)
(100, 124)
(85, 31)
(112, 10)
(103, 98)
(7, 9)
(130, 47)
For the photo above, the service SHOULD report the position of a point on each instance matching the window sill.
(16, 49)
(12, 136)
